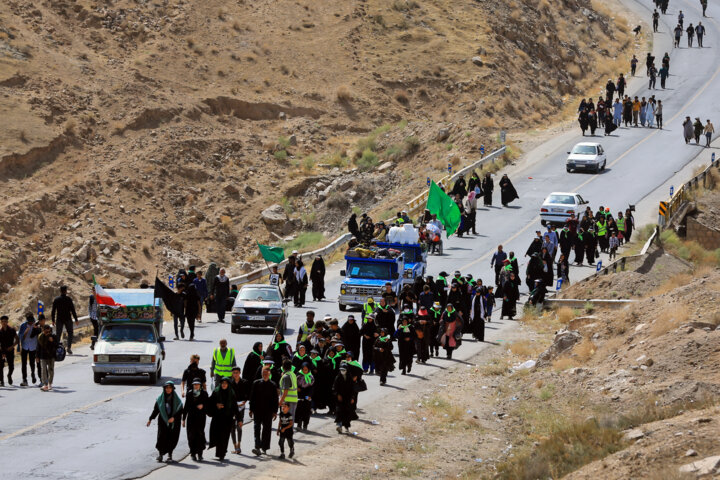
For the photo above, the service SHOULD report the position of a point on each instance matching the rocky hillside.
(143, 134)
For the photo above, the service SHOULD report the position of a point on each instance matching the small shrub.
(412, 144)
(281, 155)
(367, 143)
(368, 160)
(589, 307)
(565, 314)
(284, 142)
(287, 205)
(343, 94)
(308, 162)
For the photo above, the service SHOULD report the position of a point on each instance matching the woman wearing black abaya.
(222, 407)
(487, 189)
(194, 416)
(351, 335)
(169, 406)
(507, 191)
(317, 277)
(510, 298)
(253, 362)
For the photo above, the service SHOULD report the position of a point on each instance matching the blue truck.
(366, 277)
(415, 258)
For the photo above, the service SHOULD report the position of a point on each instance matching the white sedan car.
(586, 156)
(558, 207)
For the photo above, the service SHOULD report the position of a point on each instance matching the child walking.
(285, 431)
(614, 244)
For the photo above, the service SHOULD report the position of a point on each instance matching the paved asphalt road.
(84, 430)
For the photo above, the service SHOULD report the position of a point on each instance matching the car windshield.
(584, 150)
(561, 199)
(371, 271)
(261, 294)
(128, 333)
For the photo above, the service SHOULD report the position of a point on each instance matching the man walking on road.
(690, 34)
(659, 114)
(709, 130)
(223, 361)
(655, 20)
(263, 410)
(220, 293)
(497, 262)
(8, 342)
(703, 3)
(62, 314)
(700, 32)
(678, 34)
(28, 337)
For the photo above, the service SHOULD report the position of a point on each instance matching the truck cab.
(415, 258)
(366, 277)
(130, 340)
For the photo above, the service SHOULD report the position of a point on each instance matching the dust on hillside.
(149, 135)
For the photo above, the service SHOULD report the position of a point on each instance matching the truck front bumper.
(356, 300)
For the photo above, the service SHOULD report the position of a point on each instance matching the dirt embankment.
(153, 134)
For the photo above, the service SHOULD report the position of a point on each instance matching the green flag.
(439, 203)
(271, 254)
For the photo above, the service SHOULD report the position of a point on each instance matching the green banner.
(271, 254)
(441, 204)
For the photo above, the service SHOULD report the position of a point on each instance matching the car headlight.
(147, 358)
(238, 310)
(275, 311)
(342, 291)
(102, 358)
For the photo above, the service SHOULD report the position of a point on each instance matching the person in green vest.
(289, 387)
(602, 234)
(368, 308)
(169, 406)
(306, 328)
(223, 360)
(620, 222)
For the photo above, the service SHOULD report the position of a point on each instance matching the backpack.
(60, 353)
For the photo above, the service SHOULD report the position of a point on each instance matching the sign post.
(482, 150)
(449, 168)
(672, 190)
(599, 266)
(428, 181)
(558, 285)
(502, 137)
(41, 307)
(171, 281)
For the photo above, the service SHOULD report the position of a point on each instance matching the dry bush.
(565, 314)
(525, 348)
(564, 363)
(584, 350)
(676, 281)
(487, 122)
(23, 137)
(669, 319)
(574, 71)
(343, 94)
(70, 127)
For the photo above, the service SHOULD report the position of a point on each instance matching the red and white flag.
(104, 298)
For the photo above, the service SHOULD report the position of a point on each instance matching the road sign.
(558, 284)
(41, 307)
(672, 190)
(171, 281)
(663, 209)
(482, 150)
(712, 157)
(428, 181)
(449, 167)
(599, 266)
(502, 137)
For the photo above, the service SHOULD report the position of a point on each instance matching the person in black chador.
(507, 191)
(194, 416)
(169, 406)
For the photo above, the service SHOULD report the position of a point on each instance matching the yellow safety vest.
(292, 395)
(305, 331)
(223, 365)
(602, 229)
(621, 224)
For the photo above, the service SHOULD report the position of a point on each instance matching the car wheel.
(342, 307)
(568, 169)
(604, 164)
(97, 377)
(543, 222)
(153, 378)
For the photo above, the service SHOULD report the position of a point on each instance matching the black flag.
(173, 301)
